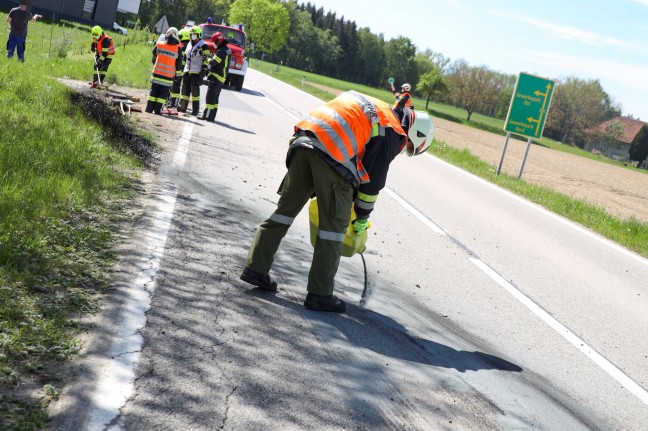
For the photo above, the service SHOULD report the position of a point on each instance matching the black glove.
(203, 73)
(98, 62)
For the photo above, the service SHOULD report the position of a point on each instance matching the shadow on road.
(385, 336)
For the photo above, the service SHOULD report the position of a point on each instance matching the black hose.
(364, 291)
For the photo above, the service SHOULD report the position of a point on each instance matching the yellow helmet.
(96, 31)
(196, 30)
(184, 35)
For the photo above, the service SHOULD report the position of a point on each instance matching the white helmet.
(406, 87)
(420, 132)
(172, 31)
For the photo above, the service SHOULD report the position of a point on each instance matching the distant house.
(100, 12)
(613, 137)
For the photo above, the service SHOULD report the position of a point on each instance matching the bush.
(62, 44)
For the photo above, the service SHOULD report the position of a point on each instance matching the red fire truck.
(236, 41)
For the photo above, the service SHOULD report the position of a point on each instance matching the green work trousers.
(308, 174)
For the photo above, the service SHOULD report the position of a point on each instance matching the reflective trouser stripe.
(282, 219)
(331, 236)
(156, 99)
(211, 106)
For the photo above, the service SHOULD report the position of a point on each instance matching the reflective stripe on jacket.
(165, 64)
(344, 125)
(105, 51)
(219, 64)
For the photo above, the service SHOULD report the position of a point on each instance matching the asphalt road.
(483, 311)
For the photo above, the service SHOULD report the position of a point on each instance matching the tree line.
(306, 37)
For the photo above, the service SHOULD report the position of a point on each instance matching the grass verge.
(66, 166)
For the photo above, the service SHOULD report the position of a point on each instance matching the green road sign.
(529, 106)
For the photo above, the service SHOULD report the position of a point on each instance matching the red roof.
(630, 127)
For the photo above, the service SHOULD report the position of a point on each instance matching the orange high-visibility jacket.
(165, 67)
(401, 96)
(108, 51)
(345, 125)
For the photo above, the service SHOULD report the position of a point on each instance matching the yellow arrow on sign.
(544, 103)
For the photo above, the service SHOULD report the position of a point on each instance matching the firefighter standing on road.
(217, 69)
(197, 54)
(340, 152)
(404, 98)
(167, 62)
(177, 82)
(104, 49)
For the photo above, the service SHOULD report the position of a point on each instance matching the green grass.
(63, 183)
(63, 50)
(631, 233)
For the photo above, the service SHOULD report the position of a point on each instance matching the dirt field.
(620, 192)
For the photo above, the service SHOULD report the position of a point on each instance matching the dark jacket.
(219, 63)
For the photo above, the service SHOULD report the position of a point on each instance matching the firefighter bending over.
(340, 152)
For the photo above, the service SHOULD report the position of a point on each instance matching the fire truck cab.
(236, 41)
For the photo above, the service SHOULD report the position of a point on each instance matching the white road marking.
(561, 329)
(419, 215)
(272, 102)
(115, 384)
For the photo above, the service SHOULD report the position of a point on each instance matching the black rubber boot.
(195, 108)
(182, 105)
(212, 115)
(325, 303)
(263, 281)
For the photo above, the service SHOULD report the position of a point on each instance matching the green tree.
(199, 10)
(400, 60)
(308, 47)
(371, 56)
(577, 105)
(349, 64)
(639, 146)
(267, 22)
(423, 64)
(151, 11)
(614, 131)
(431, 84)
(428, 60)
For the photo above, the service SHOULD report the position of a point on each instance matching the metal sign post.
(499, 167)
(528, 111)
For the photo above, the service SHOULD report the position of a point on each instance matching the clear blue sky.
(589, 39)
